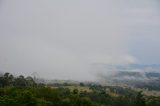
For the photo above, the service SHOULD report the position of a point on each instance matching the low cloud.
(62, 39)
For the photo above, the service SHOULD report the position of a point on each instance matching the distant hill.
(137, 75)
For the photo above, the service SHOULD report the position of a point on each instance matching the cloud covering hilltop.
(63, 39)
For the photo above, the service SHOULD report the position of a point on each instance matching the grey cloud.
(62, 39)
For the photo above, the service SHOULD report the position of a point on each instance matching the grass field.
(80, 88)
(86, 88)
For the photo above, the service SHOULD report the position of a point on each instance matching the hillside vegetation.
(21, 91)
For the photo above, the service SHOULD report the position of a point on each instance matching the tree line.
(24, 91)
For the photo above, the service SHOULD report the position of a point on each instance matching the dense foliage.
(20, 91)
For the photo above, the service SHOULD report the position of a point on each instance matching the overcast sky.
(63, 39)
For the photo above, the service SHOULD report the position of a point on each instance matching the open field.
(79, 88)
(86, 88)
(152, 93)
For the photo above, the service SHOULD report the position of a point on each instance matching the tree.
(75, 91)
(6, 80)
(30, 81)
(26, 98)
(20, 81)
(139, 101)
(81, 84)
(153, 102)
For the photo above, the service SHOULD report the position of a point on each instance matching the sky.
(63, 39)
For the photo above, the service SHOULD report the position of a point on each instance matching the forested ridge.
(24, 91)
